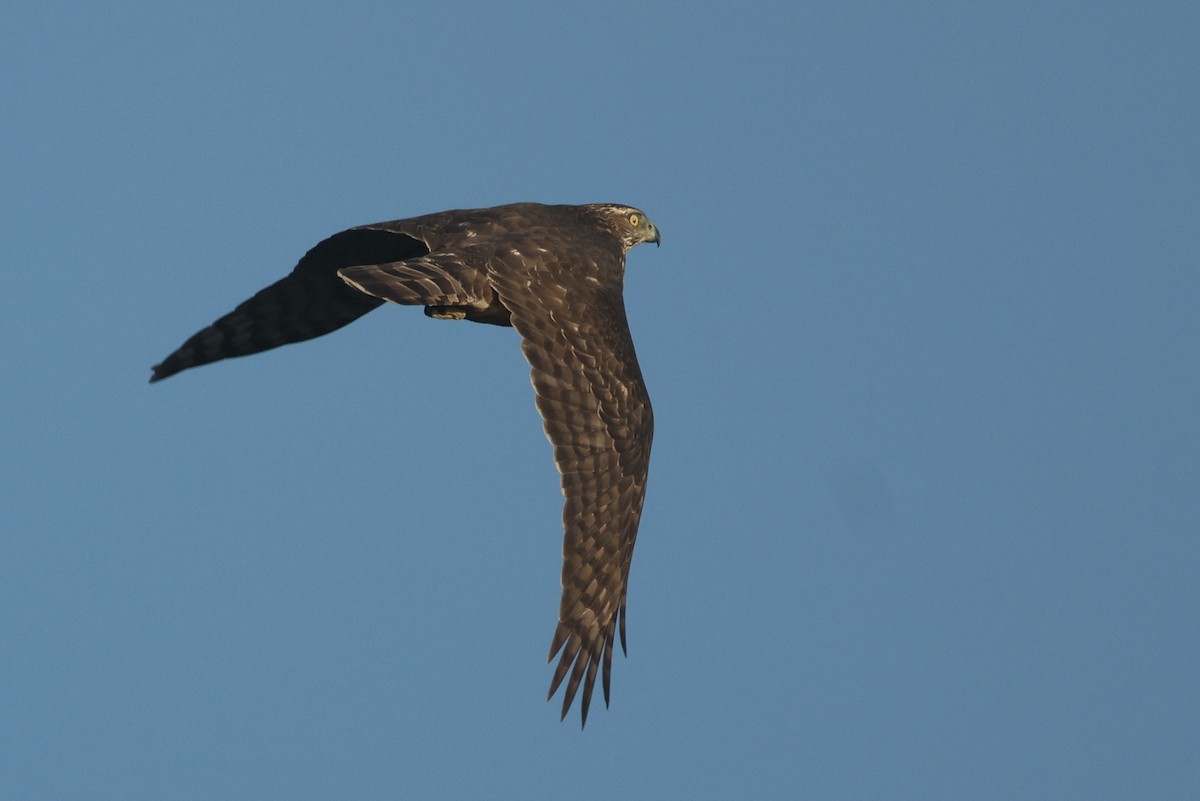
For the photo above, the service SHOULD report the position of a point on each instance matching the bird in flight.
(555, 274)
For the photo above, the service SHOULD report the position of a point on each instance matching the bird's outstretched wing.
(312, 300)
(597, 415)
(596, 412)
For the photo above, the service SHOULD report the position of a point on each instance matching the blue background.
(922, 341)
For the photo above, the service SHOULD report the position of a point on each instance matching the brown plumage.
(554, 273)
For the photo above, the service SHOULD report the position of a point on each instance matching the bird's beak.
(656, 239)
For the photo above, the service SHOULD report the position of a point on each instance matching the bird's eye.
(634, 219)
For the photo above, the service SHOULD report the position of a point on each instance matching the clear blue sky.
(924, 510)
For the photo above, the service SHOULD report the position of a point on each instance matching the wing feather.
(445, 278)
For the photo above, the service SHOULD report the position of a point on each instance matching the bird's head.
(630, 224)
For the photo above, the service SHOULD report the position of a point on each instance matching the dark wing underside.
(597, 416)
(309, 302)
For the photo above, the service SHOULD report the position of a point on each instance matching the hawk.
(556, 275)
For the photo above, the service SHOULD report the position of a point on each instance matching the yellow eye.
(634, 219)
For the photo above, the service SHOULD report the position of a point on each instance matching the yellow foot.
(446, 312)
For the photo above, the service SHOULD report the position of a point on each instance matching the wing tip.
(160, 371)
(578, 667)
